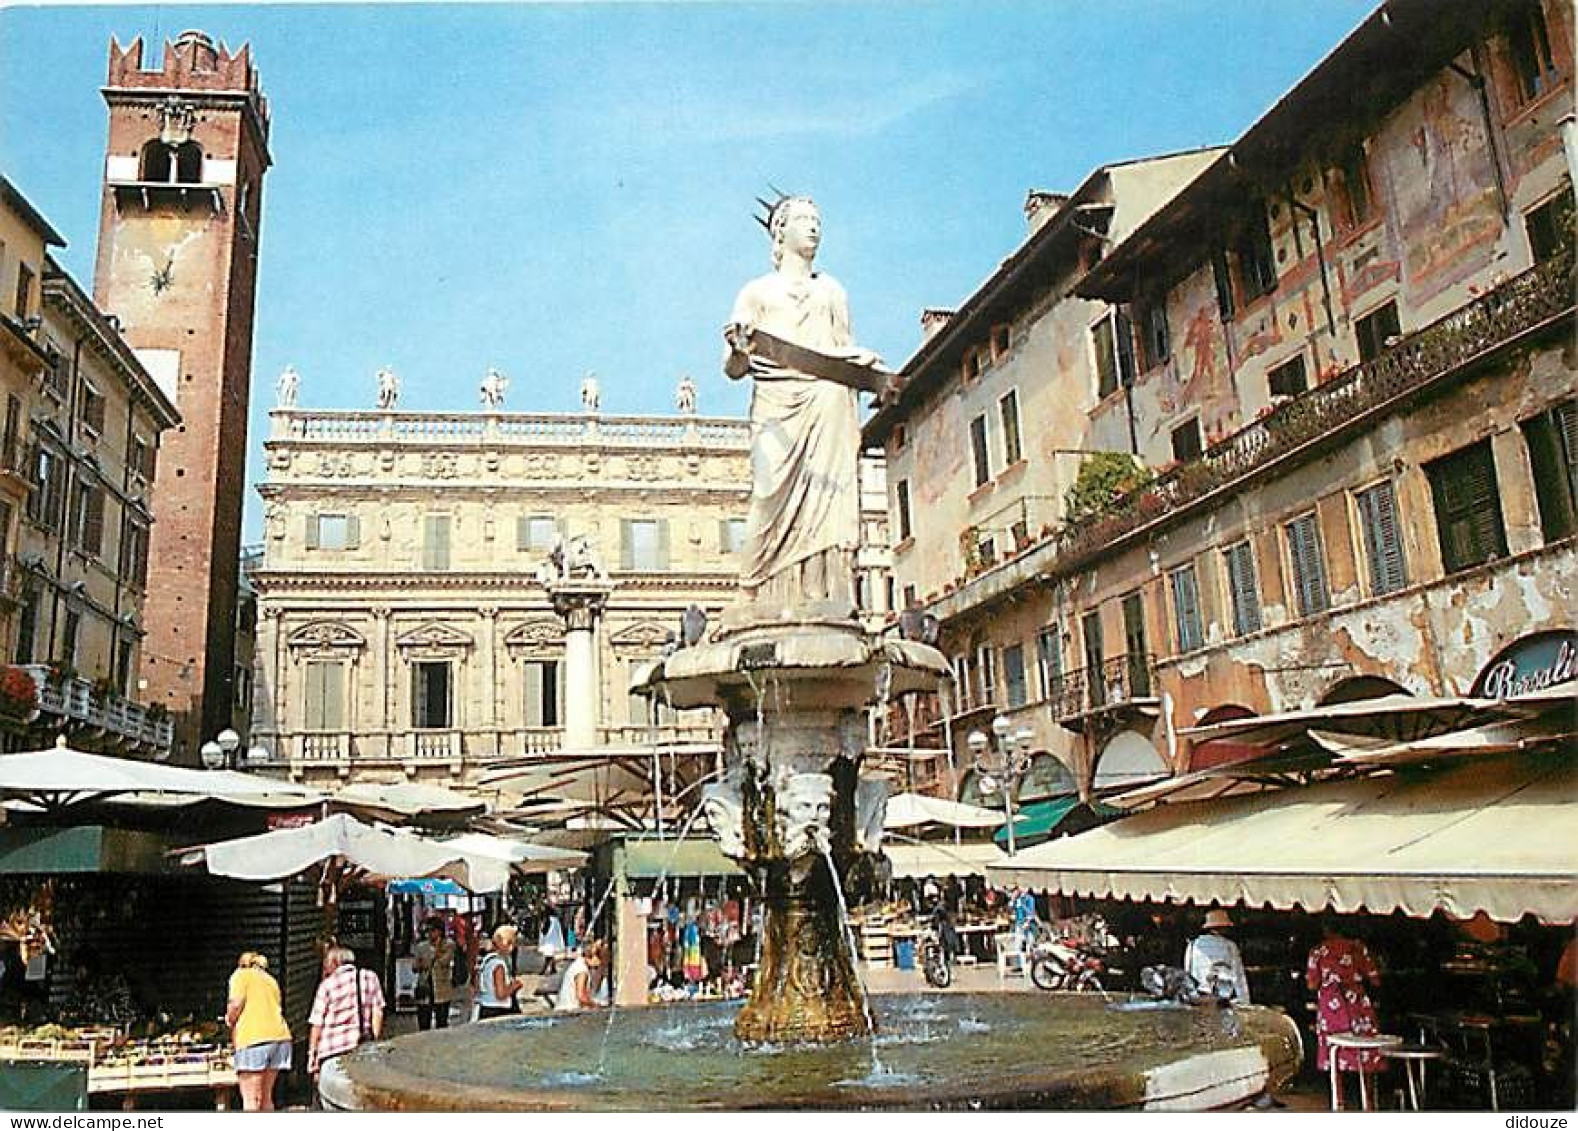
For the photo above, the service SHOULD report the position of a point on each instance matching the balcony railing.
(1523, 303)
(472, 746)
(431, 744)
(75, 699)
(1119, 680)
(514, 428)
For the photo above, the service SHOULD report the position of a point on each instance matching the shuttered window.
(334, 532)
(1242, 588)
(88, 518)
(1049, 658)
(1383, 541)
(1113, 339)
(134, 555)
(901, 495)
(731, 535)
(1008, 413)
(1468, 508)
(979, 451)
(986, 670)
(431, 698)
(644, 545)
(535, 533)
(1186, 608)
(1309, 566)
(324, 700)
(1014, 675)
(435, 541)
(542, 693)
(1552, 438)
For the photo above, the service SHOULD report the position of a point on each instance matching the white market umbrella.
(60, 776)
(909, 810)
(406, 800)
(520, 855)
(385, 854)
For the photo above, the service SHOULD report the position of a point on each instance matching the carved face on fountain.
(725, 811)
(805, 806)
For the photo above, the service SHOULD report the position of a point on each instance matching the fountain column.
(580, 604)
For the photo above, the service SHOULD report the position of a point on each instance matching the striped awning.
(1492, 835)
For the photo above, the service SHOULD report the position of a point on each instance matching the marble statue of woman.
(804, 522)
(388, 388)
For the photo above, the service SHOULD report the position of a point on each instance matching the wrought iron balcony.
(72, 699)
(1128, 680)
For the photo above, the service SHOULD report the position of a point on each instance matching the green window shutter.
(435, 544)
(1186, 609)
(334, 696)
(523, 532)
(312, 532)
(1382, 542)
(627, 545)
(723, 537)
(663, 560)
(1241, 581)
(353, 532)
(1309, 572)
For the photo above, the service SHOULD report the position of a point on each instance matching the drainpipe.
(1476, 79)
(1320, 257)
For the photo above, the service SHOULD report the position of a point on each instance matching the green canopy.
(1040, 820)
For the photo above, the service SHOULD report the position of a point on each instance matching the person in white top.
(1214, 963)
(496, 987)
(578, 991)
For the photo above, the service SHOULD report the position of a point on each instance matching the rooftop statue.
(790, 334)
(388, 388)
(591, 399)
(685, 395)
(285, 387)
(493, 388)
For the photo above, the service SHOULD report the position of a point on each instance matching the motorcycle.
(1058, 965)
(937, 946)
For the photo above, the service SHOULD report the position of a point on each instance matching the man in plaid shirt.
(336, 1028)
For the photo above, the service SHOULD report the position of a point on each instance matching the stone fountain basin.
(932, 1052)
(700, 675)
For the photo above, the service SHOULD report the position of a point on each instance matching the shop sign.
(1530, 664)
(291, 820)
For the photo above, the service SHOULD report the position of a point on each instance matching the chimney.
(933, 318)
(1040, 206)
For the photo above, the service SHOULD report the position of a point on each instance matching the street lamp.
(1002, 761)
(219, 752)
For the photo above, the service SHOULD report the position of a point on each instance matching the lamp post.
(219, 752)
(1002, 761)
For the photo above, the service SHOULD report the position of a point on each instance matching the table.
(1481, 1042)
(1380, 1042)
(1414, 1058)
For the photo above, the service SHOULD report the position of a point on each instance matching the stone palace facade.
(404, 632)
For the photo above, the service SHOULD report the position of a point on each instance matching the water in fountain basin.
(878, 1071)
(662, 882)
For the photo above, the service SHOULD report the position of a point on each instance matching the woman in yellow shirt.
(258, 1031)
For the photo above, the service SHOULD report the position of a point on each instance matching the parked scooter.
(1060, 965)
(939, 942)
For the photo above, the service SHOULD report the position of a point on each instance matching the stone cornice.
(372, 490)
(267, 580)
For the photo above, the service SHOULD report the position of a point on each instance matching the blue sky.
(552, 189)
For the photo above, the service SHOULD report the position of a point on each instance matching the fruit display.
(193, 1054)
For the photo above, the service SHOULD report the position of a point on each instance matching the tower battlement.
(191, 62)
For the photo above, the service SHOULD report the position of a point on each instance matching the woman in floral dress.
(1338, 970)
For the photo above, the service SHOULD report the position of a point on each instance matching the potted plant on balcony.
(59, 673)
(104, 689)
(18, 695)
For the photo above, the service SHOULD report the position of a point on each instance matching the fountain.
(795, 673)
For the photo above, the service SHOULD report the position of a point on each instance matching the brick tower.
(177, 264)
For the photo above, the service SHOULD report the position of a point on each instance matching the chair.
(1336, 1042)
(1011, 957)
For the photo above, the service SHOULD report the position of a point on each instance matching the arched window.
(1046, 777)
(1356, 688)
(172, 165)
(1128, 759)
